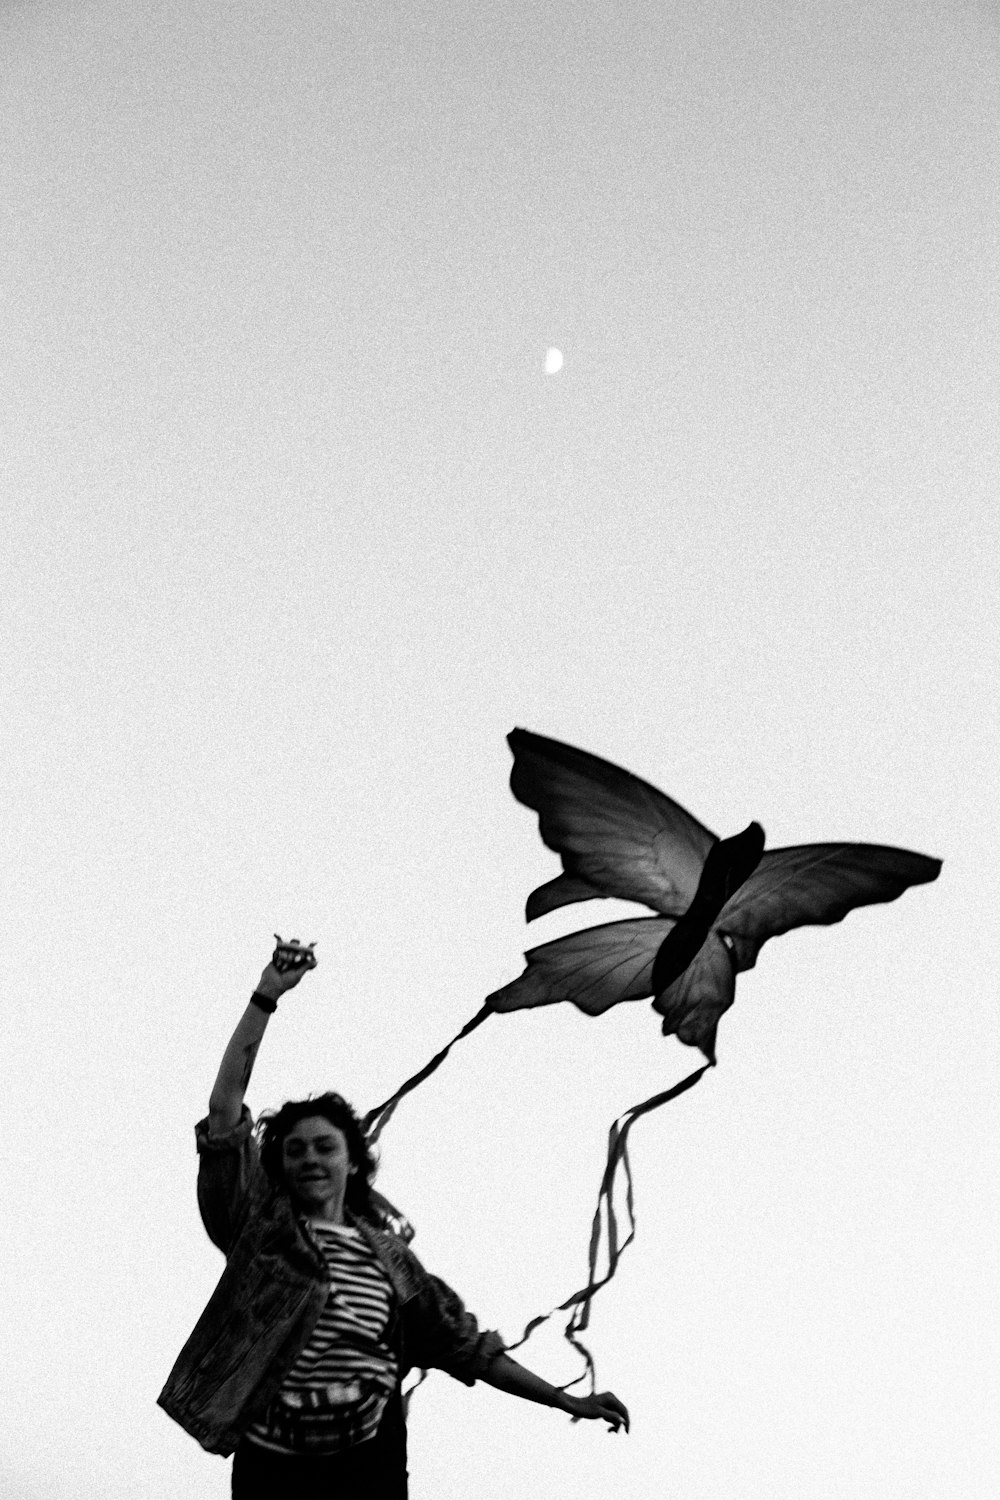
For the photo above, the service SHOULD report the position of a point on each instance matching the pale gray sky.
(298, 528)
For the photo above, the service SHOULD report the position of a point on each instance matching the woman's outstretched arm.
(225, 1104)
(507, 1375)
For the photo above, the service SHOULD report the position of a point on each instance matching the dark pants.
(375, 1470)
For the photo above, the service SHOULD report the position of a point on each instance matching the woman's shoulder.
(387, 1216)
(405, 1270)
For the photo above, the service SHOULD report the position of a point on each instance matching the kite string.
(376, 1119)
(580, 1301)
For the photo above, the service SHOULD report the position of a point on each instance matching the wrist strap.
(263, 1002)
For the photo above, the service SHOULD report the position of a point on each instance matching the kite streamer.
(606, 1224)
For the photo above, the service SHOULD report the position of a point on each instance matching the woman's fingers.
(613, 1410)
(292, 956)
(289, 962)
(604, 1407)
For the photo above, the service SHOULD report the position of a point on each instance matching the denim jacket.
(272, 1291)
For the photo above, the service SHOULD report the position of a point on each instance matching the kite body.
(715, 902)
(718, 901)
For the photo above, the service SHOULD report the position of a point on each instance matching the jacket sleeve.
(440, 1333)
(230, 1178)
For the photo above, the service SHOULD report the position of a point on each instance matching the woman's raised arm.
(288, 964)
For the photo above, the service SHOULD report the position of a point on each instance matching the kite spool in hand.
(289, 957)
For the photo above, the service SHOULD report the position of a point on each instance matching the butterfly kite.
(716, 902)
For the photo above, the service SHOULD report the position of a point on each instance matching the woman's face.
(317, 1165)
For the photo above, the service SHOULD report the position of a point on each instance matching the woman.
(296, 1364)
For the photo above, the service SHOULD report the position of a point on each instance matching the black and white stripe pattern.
(335, 1393)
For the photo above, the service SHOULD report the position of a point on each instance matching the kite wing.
(692, 1005)
(806, 885)
(815, 885)
(617, 835)
(594, 968)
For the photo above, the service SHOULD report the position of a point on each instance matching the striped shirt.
(336, 1391)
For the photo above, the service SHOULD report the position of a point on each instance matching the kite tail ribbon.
(376, 1119)
(617, 1155)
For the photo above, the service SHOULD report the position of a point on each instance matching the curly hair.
(274, 1125)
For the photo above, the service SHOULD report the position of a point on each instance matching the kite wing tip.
(704, 1043)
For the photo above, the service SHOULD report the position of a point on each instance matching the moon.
(553, 361)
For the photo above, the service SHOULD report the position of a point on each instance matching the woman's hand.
(288, 964)
(507, 1375)
(605, 1405)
